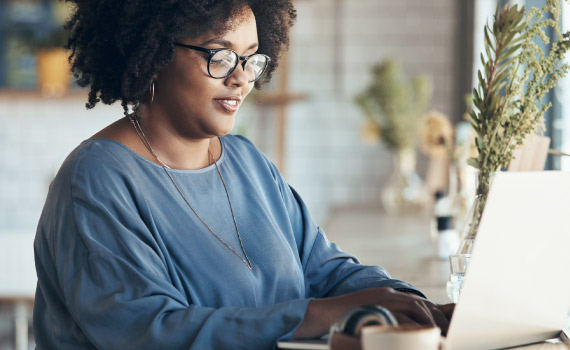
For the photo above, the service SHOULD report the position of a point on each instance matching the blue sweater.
(123, 263)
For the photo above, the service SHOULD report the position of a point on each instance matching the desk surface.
(402, 245)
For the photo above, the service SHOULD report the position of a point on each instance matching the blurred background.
(307, 120)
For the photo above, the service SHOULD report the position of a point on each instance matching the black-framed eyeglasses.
(222, 62)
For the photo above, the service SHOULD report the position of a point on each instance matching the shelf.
(280, 99)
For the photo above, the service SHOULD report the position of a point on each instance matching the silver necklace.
(137, 126)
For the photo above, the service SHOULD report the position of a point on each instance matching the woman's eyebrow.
(218, 41)
(225, 43)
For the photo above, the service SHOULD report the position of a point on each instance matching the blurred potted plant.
(393, 109)
(448, 148)
(52, 65)
(436, 139)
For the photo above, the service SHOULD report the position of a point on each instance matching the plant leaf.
(474, 162)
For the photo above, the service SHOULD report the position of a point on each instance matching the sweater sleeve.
(116, 286)
(328, 270)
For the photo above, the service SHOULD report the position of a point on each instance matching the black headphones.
(368, 315)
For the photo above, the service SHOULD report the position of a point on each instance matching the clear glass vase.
(458, 264)
(460, 261)
(404, 188)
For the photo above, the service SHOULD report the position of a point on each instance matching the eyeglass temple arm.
(193, 47)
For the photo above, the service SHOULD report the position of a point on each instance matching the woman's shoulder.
(100, 152)
(96, 161)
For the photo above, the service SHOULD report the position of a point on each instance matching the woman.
(164, 232)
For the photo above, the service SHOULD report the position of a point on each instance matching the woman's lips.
(228, 104)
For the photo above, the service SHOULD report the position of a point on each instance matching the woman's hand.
(407, 308)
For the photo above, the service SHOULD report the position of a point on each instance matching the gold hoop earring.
(151, 91)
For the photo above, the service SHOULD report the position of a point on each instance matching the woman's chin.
(223, 130)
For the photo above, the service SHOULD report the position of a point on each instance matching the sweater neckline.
(184, 171)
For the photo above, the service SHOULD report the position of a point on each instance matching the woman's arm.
(340, 283)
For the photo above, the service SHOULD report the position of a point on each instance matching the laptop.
(517, 288)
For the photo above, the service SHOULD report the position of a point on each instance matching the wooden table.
(402, 245)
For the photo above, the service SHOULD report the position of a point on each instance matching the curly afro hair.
(117, 46)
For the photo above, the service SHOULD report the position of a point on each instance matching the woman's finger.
(413, 306)
(403, 319)
(447, 310)
(415, 310)
(440, 319)
(421, 313)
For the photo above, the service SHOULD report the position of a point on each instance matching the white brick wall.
(35, 138)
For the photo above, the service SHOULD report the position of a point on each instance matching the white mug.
(404, 337)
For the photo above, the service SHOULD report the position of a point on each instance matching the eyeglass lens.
(224, 61)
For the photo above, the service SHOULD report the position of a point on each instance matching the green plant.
(517, 74)
(394, 106)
